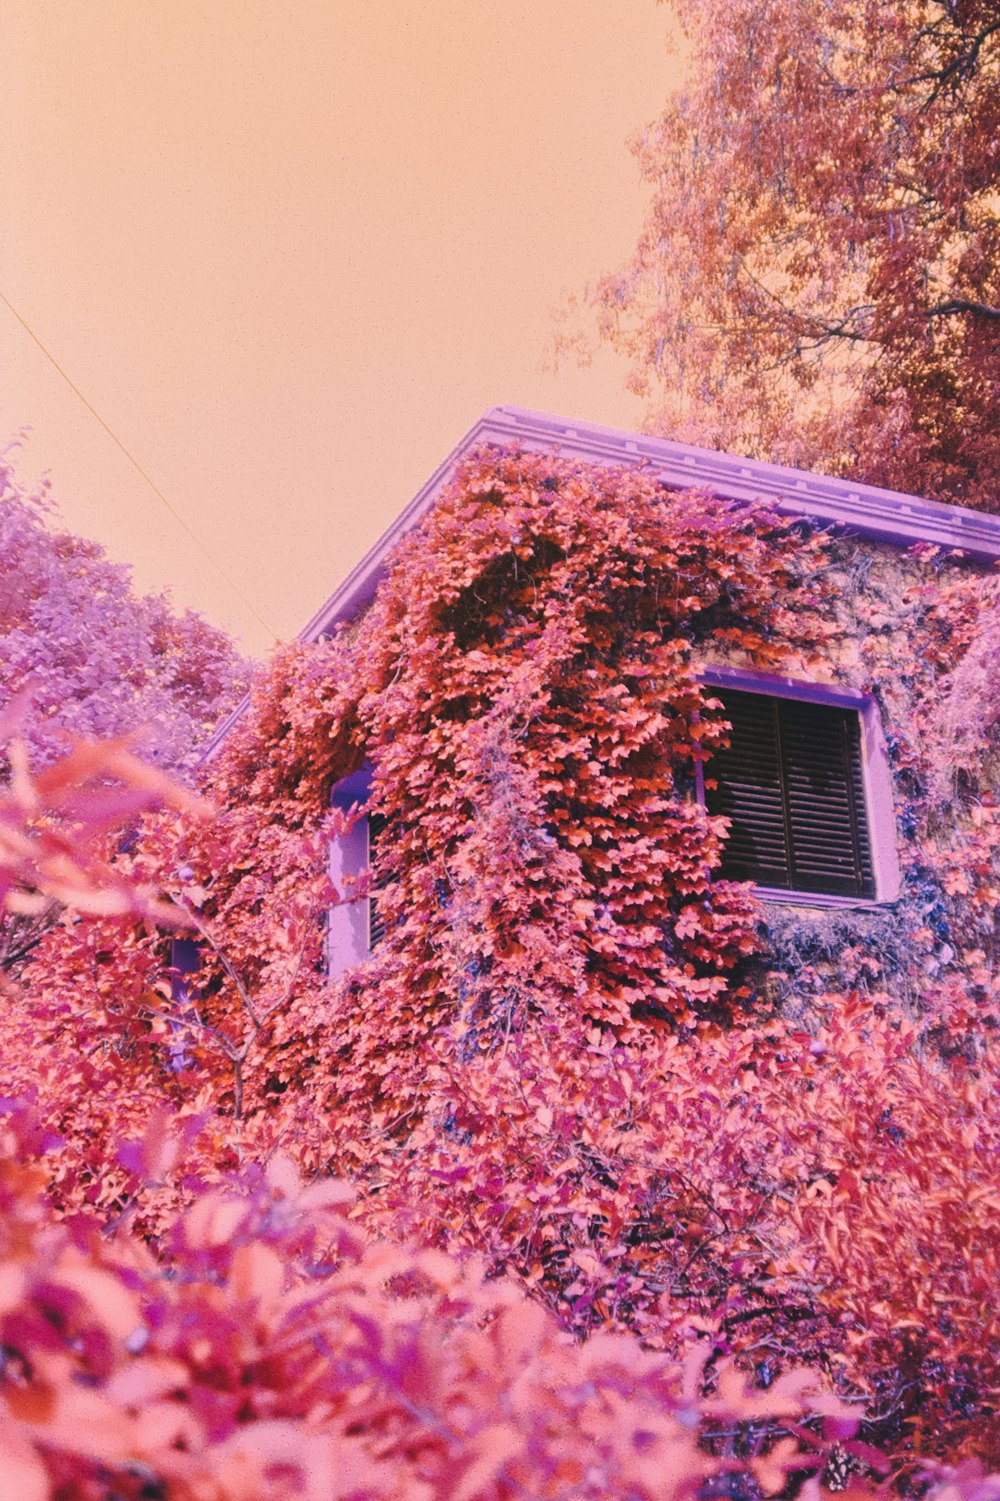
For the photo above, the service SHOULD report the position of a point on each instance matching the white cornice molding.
(867, 510)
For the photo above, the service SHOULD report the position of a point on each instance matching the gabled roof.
(865, 510)
(844, 505)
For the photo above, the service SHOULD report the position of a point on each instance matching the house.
(679, 1000)
(806, 781)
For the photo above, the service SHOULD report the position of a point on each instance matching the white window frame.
(876, 777)
(348, 925)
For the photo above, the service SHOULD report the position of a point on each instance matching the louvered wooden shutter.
(377, 824)
(791, 783)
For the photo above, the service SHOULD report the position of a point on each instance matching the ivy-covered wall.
(578, 1051)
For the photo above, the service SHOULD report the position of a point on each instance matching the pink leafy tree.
(88, 657)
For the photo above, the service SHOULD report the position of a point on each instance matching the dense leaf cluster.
(269, 1351)
(92, 657)
(83, 655)
(817, 279)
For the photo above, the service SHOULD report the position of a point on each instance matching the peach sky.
(290, 250)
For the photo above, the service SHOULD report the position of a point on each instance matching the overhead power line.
(140, 470)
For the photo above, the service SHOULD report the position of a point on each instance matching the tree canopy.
(818, 278)
(84, 656)
(90, 655)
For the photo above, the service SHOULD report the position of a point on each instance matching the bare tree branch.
(963, 305)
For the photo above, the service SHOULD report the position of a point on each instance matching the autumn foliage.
(271, 1353)
(267, 1351)
(84, 656)
(94, 658)
(578, 1055)
(816, 282)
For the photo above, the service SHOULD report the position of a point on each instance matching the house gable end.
(865, 511)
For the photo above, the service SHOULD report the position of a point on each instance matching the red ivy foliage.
(270, 1352)
(578, 1053)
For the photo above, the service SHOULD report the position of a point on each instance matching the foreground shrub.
(272, 1353)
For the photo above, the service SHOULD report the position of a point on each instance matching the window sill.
(777, 896)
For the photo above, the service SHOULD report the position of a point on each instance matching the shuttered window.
(791, 784)
(377, 825)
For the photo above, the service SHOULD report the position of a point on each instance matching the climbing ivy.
(577, 1050)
